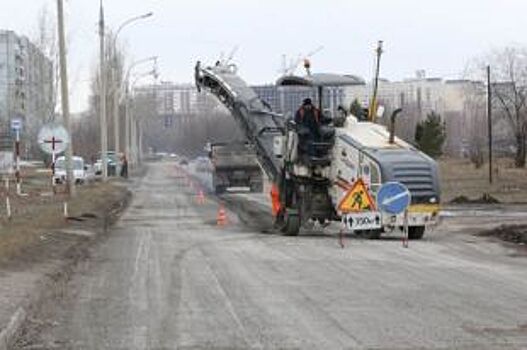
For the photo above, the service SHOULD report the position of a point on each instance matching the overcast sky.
(438, 36)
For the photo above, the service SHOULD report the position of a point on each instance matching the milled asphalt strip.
(7, 334)
(250, 342)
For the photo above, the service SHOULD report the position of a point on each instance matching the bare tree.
(184, 132)
(116, 57)
(473, 124)
(45, 38)
(45, 82)
(86, 131)
(509, 88)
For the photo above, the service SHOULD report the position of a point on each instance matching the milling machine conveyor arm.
(255, 118)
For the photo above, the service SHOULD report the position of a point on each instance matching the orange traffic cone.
(222, 216)
(201, 197)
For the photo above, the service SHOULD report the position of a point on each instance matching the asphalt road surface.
(168, 277)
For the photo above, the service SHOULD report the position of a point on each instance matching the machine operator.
(307, 119)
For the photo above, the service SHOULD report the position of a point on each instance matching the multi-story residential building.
(460, 103)
(288, 99)
(422, 94)
(182, 100)
(26, 82)
(178, 99)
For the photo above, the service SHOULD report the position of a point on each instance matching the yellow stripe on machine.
(424, 208)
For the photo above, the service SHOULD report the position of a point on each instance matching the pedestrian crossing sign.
(357, 199)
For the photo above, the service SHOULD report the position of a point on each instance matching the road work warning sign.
(357, 199)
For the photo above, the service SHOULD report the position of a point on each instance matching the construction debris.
(508, 233)
(484, 199)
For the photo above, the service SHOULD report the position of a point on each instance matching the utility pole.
(133, 136)
(140, 141)
(70, 183)
(489, 120)
(102, 102)
(373, 104)
(127, 122)
(115, 102)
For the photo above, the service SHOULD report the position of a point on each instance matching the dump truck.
(235, 165)
(307, 190)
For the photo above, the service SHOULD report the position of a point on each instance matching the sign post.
(54, 142)
(16, 126)
(394, 198)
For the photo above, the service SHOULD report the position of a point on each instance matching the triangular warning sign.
(357, 199)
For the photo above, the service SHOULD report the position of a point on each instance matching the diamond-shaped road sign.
(357, 199)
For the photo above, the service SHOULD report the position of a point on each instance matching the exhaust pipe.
(392, 124)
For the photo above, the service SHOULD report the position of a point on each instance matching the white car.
(79, 170)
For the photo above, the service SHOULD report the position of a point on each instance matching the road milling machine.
(309, 188)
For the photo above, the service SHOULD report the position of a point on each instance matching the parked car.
(183, 161)
(90, 172)
(113, 164)
(79, 170)
(97, 167)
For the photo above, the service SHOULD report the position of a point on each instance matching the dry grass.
(461, 178)
(34, 214)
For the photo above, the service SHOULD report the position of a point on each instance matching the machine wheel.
(291, 225)
(288, 225)
(416, 232)
(370, 234)
(287, 220)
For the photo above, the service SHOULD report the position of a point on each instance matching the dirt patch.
(47, 242)
(460, 178)
(484, 199)
(94, 208)
(509, 233)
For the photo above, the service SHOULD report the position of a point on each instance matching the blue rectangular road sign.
(16, 124)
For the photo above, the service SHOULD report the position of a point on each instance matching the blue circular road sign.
(393, 198)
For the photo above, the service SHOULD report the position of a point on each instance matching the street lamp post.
(115, 87)
(137, 126)
(102, 97)
(129, 127)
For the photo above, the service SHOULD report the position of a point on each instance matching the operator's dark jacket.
(309, 117)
